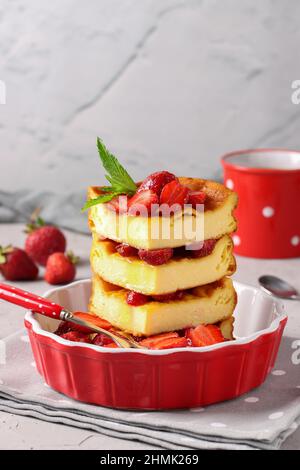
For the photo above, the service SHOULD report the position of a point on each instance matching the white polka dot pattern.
(277, 415)
(251, 400)
(229, 184)
(295, 240)
(236, 240)
(278, 372)
(268, 212)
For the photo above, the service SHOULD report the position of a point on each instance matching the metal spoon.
(278, 287)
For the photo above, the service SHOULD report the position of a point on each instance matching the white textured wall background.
(166, 83)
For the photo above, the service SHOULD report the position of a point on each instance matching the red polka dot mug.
(268, 184)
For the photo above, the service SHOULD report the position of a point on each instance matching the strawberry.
(174, 193)
(63, 327)
(196, 197)
(156, 257)
(118, 204)
(205, 335)
(156, 181)
(171, 343)
(155, 339)
(94, 319)
(43, 240)
(141, 203)
(60, 268)
(101, 340)
(126, 250)
(76, 336)
(16, 265)
(136, 298)
(205, 250)
(168, 297)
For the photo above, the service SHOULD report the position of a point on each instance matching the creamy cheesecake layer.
(169, 232)
(177, 274)
(208, 304)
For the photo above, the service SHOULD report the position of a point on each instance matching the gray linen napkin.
(59, 209)
(262, 419)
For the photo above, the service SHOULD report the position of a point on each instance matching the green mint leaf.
(99, 199)
(118, 177)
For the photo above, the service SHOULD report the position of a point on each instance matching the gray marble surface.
(18, 432)
(168, 84)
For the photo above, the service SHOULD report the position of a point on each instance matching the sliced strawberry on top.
(205, 250)
(174, 193)
(156, 257)
(168, 297)
(126, 250)
(156, 181)
(136, 298)
(205, 335)
(141, 203)
(155, 339)
(170, 343)
(196, 197)
(118, 204)
(97, 321)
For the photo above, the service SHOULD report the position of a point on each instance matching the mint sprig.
(99, 200)
(120, 181)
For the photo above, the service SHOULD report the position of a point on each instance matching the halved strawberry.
(95, 320)
(141, 202)
(126, 250)
(156, 257)
(111, 345)
(136, 298)
(63, 328)
(76, 336)
(155, 339)
(156, 181)
(196, 197)
(174, 193)
(170, 343)
(205, 335)
(205, 250)
(168, 297)
(118, 204)
(101, 340)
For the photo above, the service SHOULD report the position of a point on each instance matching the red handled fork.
(50, 309)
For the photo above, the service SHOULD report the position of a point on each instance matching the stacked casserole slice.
(191, 288)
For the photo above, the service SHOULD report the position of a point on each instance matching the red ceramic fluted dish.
(152, 379)
(268, 185)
